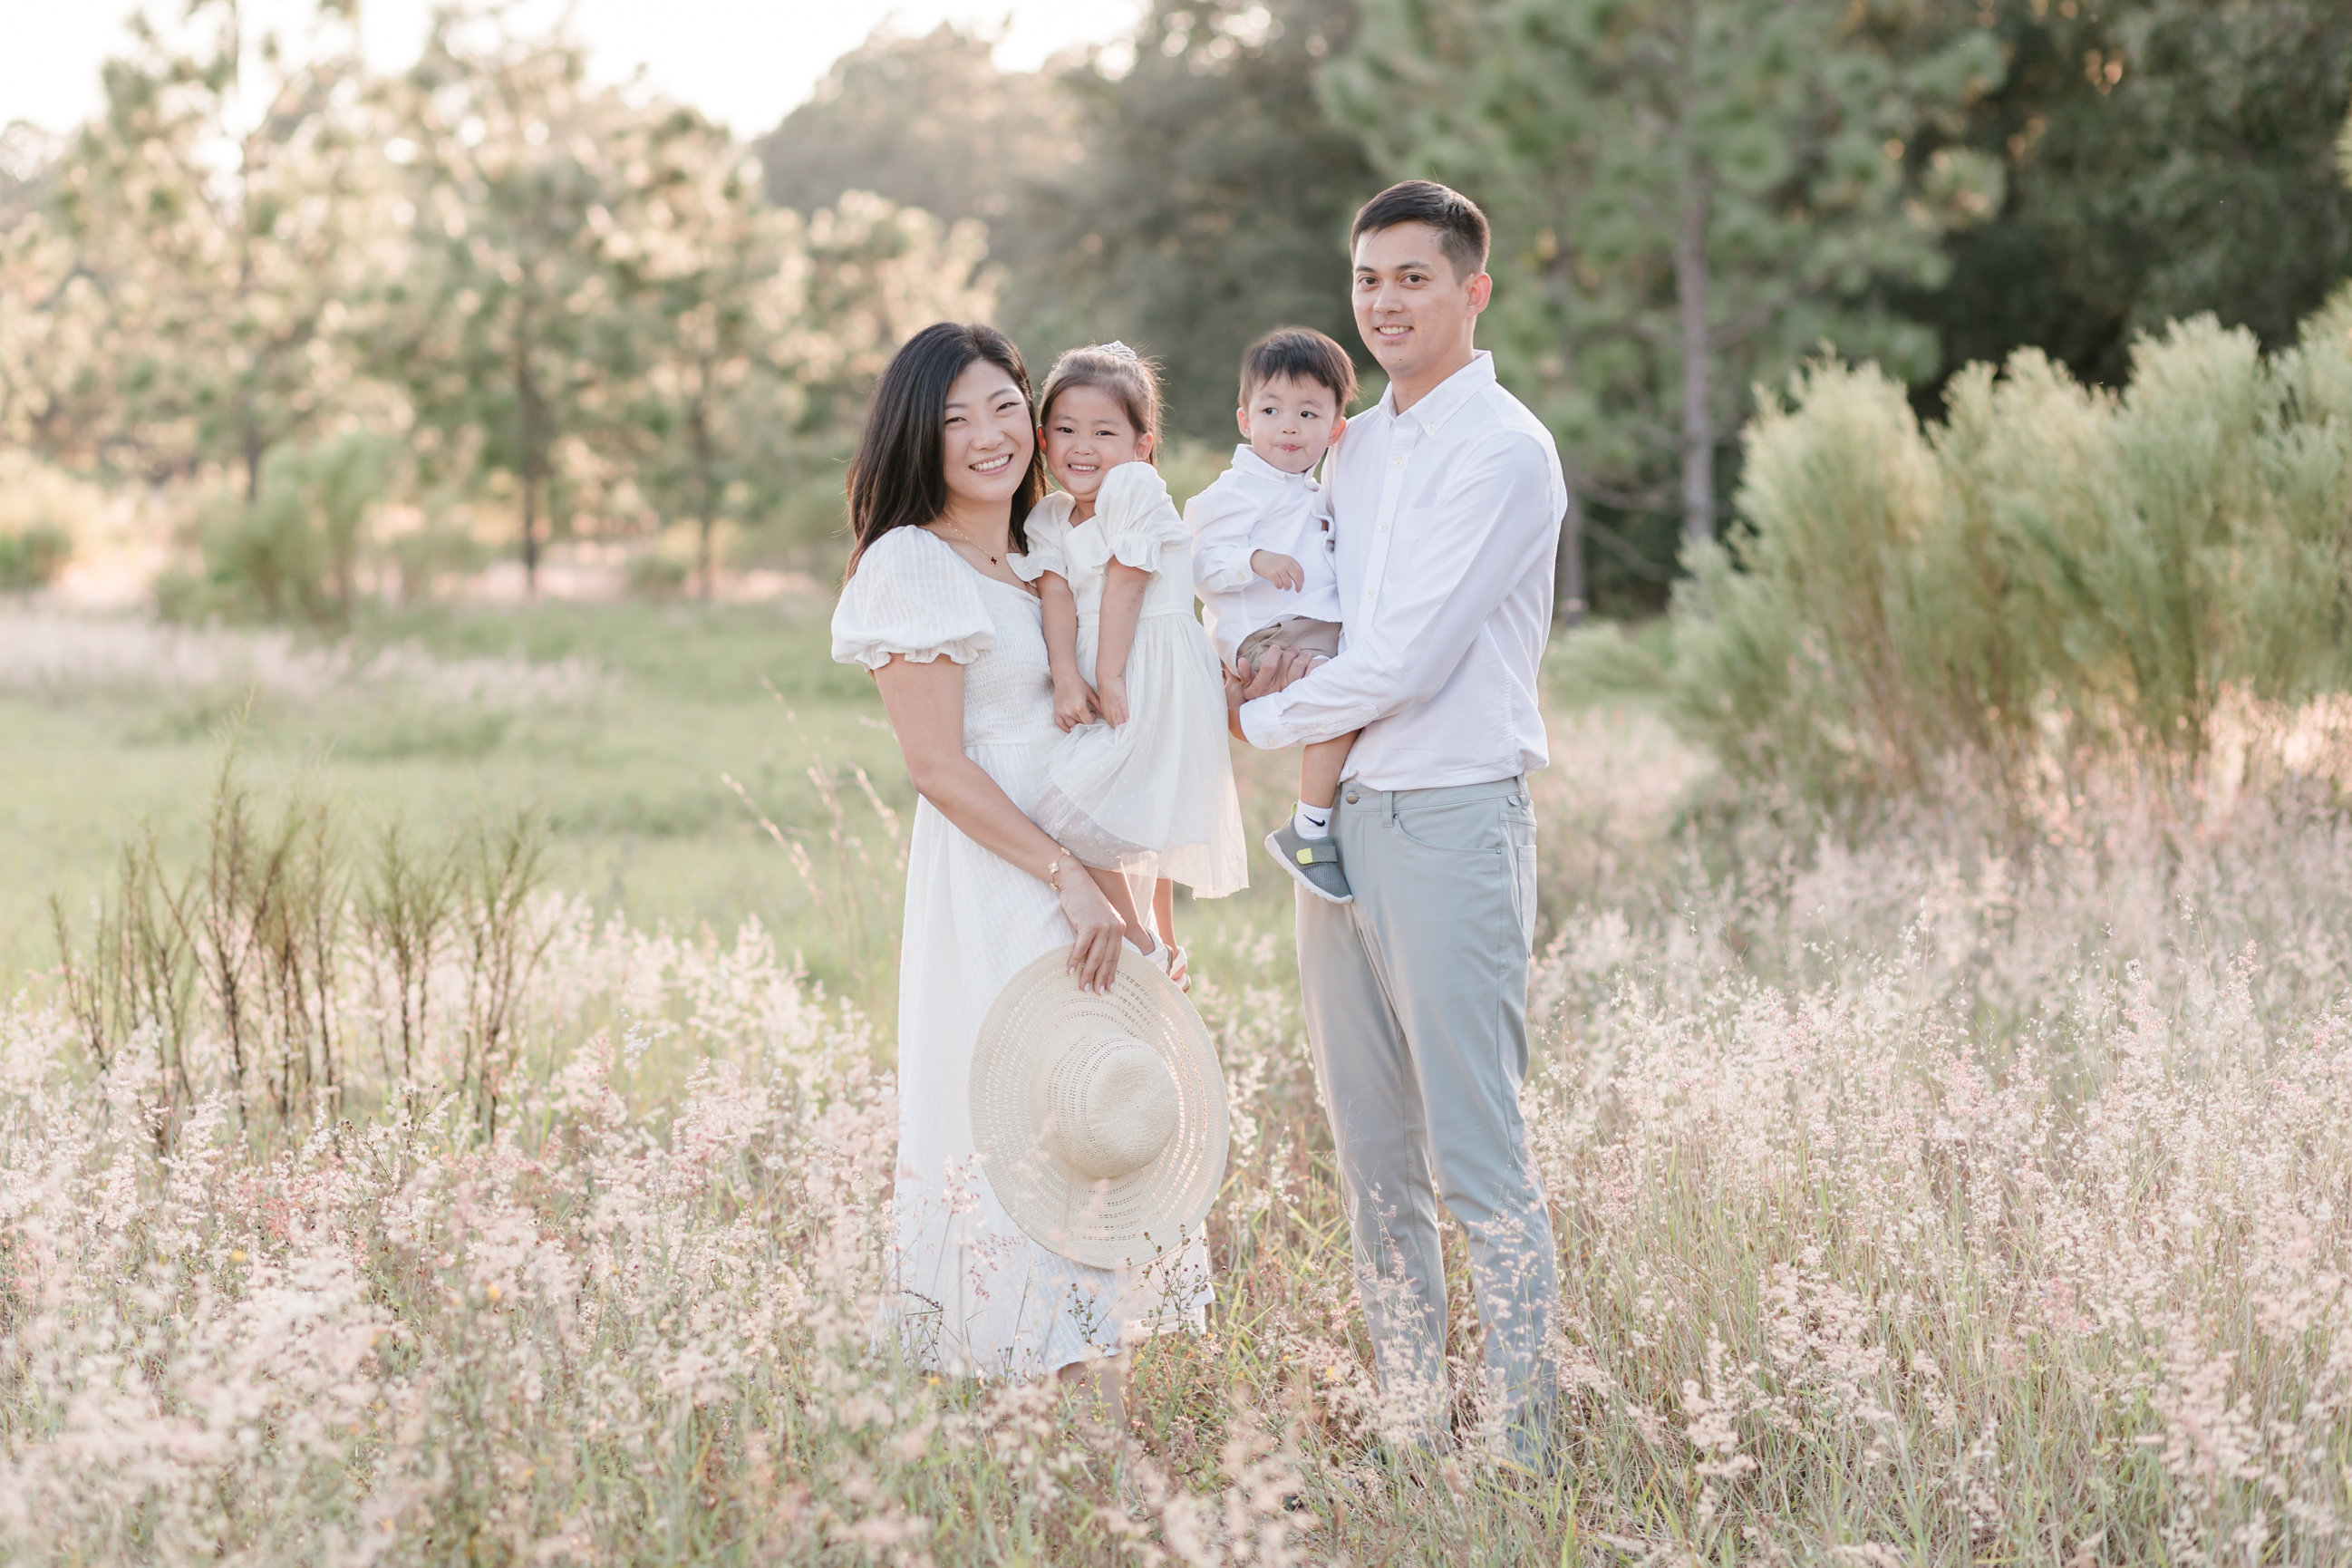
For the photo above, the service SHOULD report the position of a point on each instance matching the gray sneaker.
(1314, 863)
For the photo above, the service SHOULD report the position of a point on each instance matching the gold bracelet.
(1053, 868)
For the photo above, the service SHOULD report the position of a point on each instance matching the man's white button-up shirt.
(1254, 506)
(1447, 522)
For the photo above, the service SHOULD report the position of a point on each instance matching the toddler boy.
(1262, 559)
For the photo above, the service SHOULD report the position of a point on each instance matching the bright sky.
(745, 62)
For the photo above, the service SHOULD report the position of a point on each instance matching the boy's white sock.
(1311, 821)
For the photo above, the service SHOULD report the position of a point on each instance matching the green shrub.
(422, 556)
(1604, 659)
(652, 574)
(291, 554)
(2055, 572)
(33, 557)
(43, 509)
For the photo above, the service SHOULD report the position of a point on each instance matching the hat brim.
(1132, 1220)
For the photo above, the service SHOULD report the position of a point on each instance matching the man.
(1447, 500)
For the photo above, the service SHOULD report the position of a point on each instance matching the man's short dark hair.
(1462, 231)
(1298, 353)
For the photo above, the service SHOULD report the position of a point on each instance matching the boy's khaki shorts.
(1298, 633)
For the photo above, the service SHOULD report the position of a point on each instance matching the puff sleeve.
(1135, 518)
(910, 596)
(1047, 528)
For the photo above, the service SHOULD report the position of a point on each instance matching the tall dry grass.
(1961, 1197)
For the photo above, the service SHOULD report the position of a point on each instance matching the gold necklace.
(961, 537)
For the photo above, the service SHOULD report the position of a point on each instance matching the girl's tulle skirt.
(1154, 797)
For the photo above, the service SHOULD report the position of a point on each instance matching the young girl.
(1139, 788)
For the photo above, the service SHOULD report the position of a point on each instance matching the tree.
(214, 209)
(2164, 158)
(928, 121)
(525, 200)
(713, 267)
(763, 332)
(1688, 195)
(1186, 201)
(1213, 201)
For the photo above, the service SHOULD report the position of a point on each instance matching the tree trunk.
(530, 534)
(1568, 605)
(527, 417)
(702, 497)
(252, 460)
(1691, 303)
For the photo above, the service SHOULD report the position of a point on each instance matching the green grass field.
(626, 766)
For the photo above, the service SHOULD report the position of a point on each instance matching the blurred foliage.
(2056, 573)
(290, 553)
(1688, 198)
(2165, 158)
(928, 121)
(571, 305)
(1185, 200)
(215, 222)
(583, 312)
(43, 509)
(31, 557)
(1212, 202)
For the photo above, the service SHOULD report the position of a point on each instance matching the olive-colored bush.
(2055, 575)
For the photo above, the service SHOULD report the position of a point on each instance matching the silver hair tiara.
(1117, 350)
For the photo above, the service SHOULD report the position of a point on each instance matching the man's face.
(1411, 307)
(1291, 423)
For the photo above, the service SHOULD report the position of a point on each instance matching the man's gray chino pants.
(1417, 1013)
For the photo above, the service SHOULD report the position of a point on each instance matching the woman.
(943, 481)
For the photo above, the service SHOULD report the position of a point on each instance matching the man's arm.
(1276, 669)
(1492, 530)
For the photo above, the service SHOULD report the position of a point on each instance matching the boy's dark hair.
(1298, 353)
(1462, 231)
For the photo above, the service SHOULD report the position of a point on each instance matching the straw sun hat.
(1100, 1119)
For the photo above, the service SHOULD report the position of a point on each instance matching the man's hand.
(1276, 669)
(1277, 569)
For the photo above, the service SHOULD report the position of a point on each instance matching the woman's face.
(1087, 436)
(986, 443)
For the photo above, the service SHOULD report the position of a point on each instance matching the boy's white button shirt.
(1447, 522)
(1254, 506)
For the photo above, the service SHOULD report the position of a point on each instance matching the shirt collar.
(1249, 462)
(1447, 396)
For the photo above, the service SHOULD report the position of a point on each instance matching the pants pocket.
(1455, 828)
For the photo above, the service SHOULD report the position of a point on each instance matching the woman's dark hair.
(896, 479)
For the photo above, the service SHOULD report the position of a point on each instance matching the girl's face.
(985, 441)
(1086, 435)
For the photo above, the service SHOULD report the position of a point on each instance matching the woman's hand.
(1110, 699)
(1094, 954)
(1074, 703)
(1277, 569)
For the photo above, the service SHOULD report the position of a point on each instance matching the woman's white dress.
(1153, 796)
(975, 1295)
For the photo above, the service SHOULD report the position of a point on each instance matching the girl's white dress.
(974, 1294)
(1154, 797)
